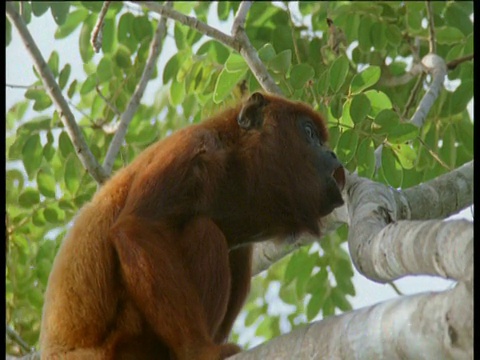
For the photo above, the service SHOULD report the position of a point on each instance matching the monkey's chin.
(339, 176)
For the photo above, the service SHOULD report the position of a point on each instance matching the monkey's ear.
(251, 115)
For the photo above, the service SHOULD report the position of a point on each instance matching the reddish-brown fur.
(157, 265)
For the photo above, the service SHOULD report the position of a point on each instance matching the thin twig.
(454, 63)
(96, 39)
(413, 95)
(28, 87)
(109, 104)
(191, 22)
(126, 118)
(433, 154)
(85, 155)
(292, 29)
(395, 288)
(431, 28)
(12, 334)
(250, 54)
(241, 16)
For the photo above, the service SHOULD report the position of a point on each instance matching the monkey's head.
(301, 177)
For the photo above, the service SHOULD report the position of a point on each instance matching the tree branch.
(85, 155)
(250, 54)
(12, 334)
(127, 116)
(191, 22)
(431, 28)
(434, 65)
(361, 334)
(384, 248)
(96, 39)
(454, 63)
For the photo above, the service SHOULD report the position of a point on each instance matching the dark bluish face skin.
(325, 160)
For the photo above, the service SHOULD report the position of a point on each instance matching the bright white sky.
(19, 72)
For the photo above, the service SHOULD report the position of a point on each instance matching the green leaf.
(142, 28)
(448, 35)
(379, 101)
(346, 118)
(414, 15)
(392, 171)
(72, 88)
(53, 214)
(38, 219)
(28, 198)
(339, 299)
(94, 6)
(365, 79)
(406, 155)
(253, 315)
(300, 74)
(266, 52)
(402, 132)
(8, 32)
(318, 282)
(53, 61)
(359, 108)
(105, 69)
(386, 120)
(49, 151)
(64, 75)
(40, 7)
(42, 100)
(225, 84)
(74, 19)
(316, 303)
(108, 35)
(122, 57)
(288, 294)
(366, 158)
(177, 93)
(86, 50)
(32, 154)
(281, 63)
(124, 32)
(364, 31)
(72, 174)
(46, 183)
(89, 84)
(172, 66)
(378, 35)
(394, 35)
(338, 73)
(336, 106)
(59, 11)
(347, 145)
(300, 265)
(235, 63)
(65, 145)
(461, 97)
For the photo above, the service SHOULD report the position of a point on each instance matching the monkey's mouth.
(339, 175)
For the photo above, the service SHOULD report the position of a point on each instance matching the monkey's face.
(302, 174)
(329, 169)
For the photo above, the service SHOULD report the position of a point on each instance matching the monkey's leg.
(153, 268)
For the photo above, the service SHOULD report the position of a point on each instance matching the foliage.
(46, 183)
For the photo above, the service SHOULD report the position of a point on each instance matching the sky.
(19, 72)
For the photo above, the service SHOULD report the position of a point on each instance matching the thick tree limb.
(437, 324)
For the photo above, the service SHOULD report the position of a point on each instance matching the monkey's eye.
(312, 134)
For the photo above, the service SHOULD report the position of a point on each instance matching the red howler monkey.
(158, 264)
